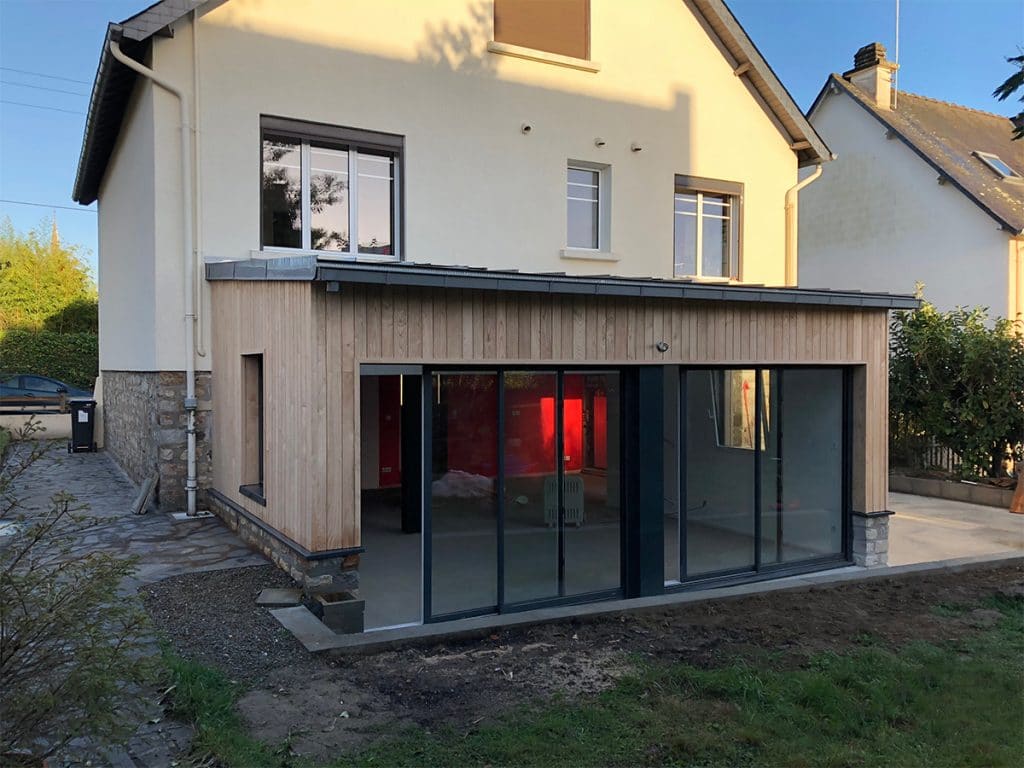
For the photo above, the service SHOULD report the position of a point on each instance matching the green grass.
(926, 705)
(5, 439)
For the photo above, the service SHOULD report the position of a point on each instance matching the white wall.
(127, 254)
(477, 191)
(878, 220)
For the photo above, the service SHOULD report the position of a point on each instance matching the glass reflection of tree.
(282, 201)
(325, 191)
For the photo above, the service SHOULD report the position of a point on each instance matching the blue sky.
(949, 49)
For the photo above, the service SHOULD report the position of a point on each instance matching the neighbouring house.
(922, 191)
(491, 304)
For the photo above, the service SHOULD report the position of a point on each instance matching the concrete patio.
(926, 529)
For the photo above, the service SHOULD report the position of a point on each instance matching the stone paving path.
(164, 548)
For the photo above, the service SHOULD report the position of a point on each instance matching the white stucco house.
(922, 191)
(469, 306)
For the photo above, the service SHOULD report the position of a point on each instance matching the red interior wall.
(529, 426)
(390, 432)
(472, 403)
(600, 432)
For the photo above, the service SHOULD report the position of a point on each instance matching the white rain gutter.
(792, 228)
(186, 232)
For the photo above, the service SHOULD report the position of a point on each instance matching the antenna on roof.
(896, 59)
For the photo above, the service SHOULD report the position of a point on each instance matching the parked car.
(28, 390)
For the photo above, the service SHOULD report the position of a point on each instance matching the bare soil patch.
(325, 705)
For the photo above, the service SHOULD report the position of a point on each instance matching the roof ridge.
(929, 98)
(953, 104)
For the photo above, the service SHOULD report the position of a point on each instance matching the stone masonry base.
(144, 423)
(319, 573)
(871, 539)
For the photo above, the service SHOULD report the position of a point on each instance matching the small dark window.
(555, 26)
(252, 426)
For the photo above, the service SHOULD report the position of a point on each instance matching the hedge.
(70, 357)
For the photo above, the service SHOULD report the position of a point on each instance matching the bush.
(70, 357)
(72, 649)
(957, 377)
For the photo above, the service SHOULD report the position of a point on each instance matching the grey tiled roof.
(946, 136)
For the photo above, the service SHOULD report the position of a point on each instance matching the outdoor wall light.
(661, 346)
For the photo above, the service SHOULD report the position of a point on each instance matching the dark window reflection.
(328, 198)
(282, 193)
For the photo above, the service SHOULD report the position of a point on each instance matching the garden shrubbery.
(70, 357)
(957, 377)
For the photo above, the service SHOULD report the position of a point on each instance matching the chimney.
(872, 73)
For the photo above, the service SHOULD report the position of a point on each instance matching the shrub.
(70, 357)
(959, 378)
(71, 648)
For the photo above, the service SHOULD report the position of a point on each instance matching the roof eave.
(765, 82)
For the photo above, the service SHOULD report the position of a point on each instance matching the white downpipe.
(197, 198)
(186, 232)
(791, 226)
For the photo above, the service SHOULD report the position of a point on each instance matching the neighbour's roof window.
(999, 165)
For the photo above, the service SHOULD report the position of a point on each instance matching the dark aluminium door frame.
(625, 384)
(761, 571)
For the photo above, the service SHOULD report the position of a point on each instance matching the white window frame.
(990, 159)
(603, 208)
(353, 142)
(698, 187)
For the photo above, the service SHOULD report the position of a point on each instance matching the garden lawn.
(945, 704)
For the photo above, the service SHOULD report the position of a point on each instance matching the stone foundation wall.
(317, 574)
(144, 425)
(871, 539)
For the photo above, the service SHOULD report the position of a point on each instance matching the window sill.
(584, 254)
(532, 54)
(277, 253)
(710, 280)
(254, 492)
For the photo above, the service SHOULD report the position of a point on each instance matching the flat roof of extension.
(411, 274)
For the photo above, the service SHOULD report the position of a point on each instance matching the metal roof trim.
(453, 278)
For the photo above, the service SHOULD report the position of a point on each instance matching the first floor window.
(706, 228)
(326, 189)
(583, 215)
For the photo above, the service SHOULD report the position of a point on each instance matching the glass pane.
(686, 203)
(671, 470)
(531, 489)
(464, 533)
(715, 250)
(376, 203)
(328, 198)
(281, 218)
(583, 177)
(591, 490)
(685, 245)
(582, 224)
(802, 469)
(719, 489)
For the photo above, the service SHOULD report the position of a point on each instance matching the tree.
(40, 279)
(958, 378)
(1011, 85)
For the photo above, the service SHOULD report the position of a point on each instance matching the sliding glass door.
(523, 506)
(762, 470)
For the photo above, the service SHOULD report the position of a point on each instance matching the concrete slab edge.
(317, 638)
